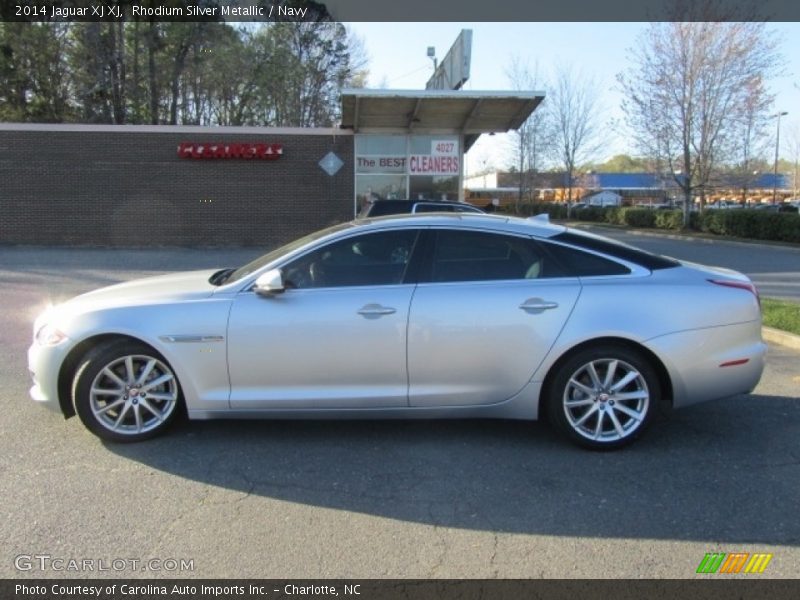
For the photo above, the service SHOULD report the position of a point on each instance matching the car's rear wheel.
(125, 391)
(604, 398)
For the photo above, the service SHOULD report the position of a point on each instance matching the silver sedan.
(408, 317)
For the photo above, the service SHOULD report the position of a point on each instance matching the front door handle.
(373, 311)
(537, 305)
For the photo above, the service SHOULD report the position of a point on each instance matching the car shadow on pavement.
(725, 471)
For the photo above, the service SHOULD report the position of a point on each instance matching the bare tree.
(575, 107)
(530, 141)
(687, 90)
(752, 134)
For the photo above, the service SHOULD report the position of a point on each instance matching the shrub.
(757, 225)
(781, 227)
(669, 219)
(614, 215)
(595, 214)
(526, 209)
(638, 217)
(556, 211)
(713, 222)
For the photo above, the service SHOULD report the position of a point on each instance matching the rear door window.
(460, 255)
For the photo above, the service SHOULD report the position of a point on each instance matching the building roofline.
(445, 94)
(185, 129)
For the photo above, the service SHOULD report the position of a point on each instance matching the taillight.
(742, 285)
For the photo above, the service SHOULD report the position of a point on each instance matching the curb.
(776, 336)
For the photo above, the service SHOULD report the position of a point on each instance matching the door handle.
(372, 311)
(537, 304)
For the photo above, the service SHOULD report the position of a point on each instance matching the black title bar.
(398, 10)
(709, 587)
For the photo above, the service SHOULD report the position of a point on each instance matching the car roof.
(412, 201)
(501, 223)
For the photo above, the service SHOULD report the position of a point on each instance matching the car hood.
(175, 287)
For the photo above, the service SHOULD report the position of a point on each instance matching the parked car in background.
(408, 317)
(657, 206)
(724, 205)
(781, 207)
(382, 208)
(603, 199)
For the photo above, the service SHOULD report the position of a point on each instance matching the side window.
(381, 208)
(379, 258)
(577, 263)
(479, 256)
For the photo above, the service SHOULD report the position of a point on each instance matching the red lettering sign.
(206, 150)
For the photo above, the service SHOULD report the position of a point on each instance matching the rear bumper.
(708, 364)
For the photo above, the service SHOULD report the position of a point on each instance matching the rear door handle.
(373, 311)
(537, 305)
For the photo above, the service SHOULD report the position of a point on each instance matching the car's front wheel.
(603, 398)
(125, 391)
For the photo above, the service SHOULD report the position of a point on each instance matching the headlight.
(48, 335)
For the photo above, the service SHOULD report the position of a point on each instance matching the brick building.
(138, 186)
(127, 186)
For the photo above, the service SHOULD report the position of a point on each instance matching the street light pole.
(777, 144)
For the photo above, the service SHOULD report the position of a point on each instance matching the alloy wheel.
(133, 394)
(606, 400)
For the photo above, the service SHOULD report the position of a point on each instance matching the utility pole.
(777, 145)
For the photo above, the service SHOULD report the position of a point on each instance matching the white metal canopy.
(469, 113)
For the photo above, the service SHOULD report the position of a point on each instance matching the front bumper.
(44, 363)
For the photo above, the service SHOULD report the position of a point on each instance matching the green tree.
(98, 69)
(35, 81)
(621, 163)
(147, 71)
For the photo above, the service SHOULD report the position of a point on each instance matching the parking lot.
(461, 499)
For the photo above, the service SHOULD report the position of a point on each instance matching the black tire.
(125, 391)
(598, 411)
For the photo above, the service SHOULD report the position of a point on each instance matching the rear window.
(428, 208)
(576, 263)
(381, 208)
(624, 252)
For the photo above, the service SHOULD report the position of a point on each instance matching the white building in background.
(604, 198)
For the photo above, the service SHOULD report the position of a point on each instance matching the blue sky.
(397, 53)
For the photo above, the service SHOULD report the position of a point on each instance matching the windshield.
(267, 258)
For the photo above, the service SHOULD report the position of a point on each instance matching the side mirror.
(269, 283)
